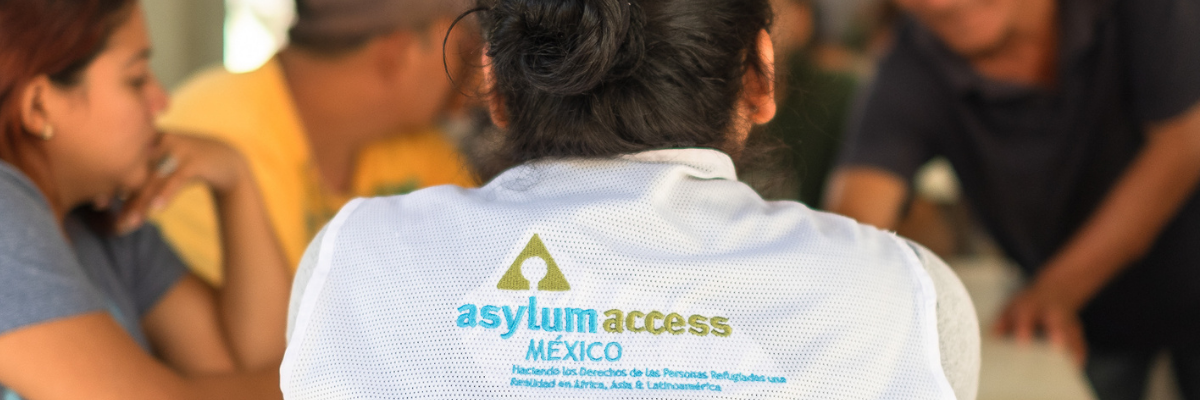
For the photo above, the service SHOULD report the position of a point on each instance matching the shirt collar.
(712, 163)
(280, 107)
(699, 163)
(23, 182)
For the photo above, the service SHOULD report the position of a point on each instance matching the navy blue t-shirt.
(1036, 163)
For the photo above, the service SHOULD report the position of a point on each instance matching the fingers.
(215, 163)
(1025, 323)
(1065, 332)
(133, 212)
(1026, 316)
(167, 192)
(167, 179)
(1018, 320)
(179, 160)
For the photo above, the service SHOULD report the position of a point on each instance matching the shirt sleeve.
(151, 268)
(1162, 40)
(308, 264)
(894, 120)
(959, 340)
(42, 279)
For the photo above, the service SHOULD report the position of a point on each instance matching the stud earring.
(47, 133)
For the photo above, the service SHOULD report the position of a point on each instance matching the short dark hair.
(601, 78)
(337, 27)
(324, 44)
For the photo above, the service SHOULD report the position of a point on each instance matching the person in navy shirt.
(1074, 126)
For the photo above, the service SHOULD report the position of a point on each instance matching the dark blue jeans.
(1123, 375)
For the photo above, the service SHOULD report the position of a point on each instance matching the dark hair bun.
(600, 78)
(568, 47)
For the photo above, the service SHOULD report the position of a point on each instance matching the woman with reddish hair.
(92, 303)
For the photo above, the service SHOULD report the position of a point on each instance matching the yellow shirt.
(254, 112)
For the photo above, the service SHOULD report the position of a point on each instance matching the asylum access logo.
(515, 279)
(580, 347)
(535, 270)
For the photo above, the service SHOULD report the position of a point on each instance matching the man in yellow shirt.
(347, 109)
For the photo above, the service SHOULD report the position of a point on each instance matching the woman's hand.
(180, 160)
(251, 305)
(1042, 309)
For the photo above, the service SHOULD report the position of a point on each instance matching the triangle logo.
(514, 279)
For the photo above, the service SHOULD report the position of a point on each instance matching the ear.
(436, 32)
(34, 117)
(759, 96)
(391, 53)
(495, 103)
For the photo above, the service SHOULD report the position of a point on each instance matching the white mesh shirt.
(652, 276)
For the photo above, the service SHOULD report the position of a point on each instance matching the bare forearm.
(253, 301)
(869, 195)
(261, 385)
(1128, 222)
(91, 356)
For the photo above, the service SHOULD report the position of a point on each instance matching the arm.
(254, 299)
(186, 330)
(90, 356)
(891, 134)
(870, 195)
(1163, 176)
(248, 314)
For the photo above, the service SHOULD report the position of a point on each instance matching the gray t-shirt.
(46, 277)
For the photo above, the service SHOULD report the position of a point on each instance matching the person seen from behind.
(1074, 126)
(348, 108)
(95, 304)
(619, 257)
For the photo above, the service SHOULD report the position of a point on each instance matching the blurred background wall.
(192, 35)
(838, 16)
(188, 35)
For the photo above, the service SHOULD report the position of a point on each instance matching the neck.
(62, 199)
(332, 107)
(1029, 55)
(62, 195)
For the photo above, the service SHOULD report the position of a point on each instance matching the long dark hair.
(601, 78)
(56, 38)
